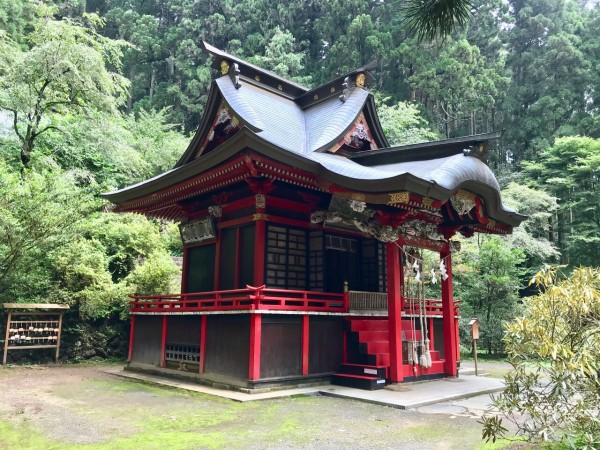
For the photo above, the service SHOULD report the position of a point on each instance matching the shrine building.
(302, 231)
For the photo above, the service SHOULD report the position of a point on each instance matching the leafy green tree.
(64, 70)
(39, 212)
(487, 282)
(550, 74)
(281, 58)
(569, 170)
(552, 391)
(402, 123)
(535, 235)
(118, 150)
(459, 87)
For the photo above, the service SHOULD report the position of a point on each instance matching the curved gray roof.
(295, 129)
(281, 121)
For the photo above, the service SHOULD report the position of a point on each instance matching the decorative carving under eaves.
(326, 217)
(197, 230)
(357, 206)
(462, 202)
(421, 229)
(454, 246)
(215, 211)
(261, 202)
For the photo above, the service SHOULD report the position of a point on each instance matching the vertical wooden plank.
(305, 342)
(450, 338)
(163, 342)
(255, 340)
(6, 340)
(345, 347)
(238, 252)
(394, 277)
(184, 270)
(202, 360)
(60, 318)
(131, 337)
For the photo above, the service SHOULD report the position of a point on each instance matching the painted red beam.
(305, 342)
(255, 342)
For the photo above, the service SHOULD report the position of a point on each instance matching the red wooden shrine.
(296, 216)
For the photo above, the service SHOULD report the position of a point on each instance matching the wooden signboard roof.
(34, 306)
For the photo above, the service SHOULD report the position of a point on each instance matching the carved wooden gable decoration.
(224, 125)
(358, 138)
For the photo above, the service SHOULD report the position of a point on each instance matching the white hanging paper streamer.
(443, 270)
(433, 277)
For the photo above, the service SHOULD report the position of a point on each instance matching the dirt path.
(83, 407)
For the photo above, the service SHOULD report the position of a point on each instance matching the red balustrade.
(263, 298)
(251, 298)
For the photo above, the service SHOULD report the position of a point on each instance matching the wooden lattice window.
(316, 261)
(182, 352)
(286, 257)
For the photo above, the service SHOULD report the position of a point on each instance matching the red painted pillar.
(255, 338)
(450, 337)
(305, 342)
(394, 277)
(202, 356)
(131, 337)
(163, 342)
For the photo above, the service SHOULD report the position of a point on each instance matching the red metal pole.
(448, 310)
(305, 342)
(131, 335)
(394, 276)
(202, 359)
(163, 342)
(255, 338)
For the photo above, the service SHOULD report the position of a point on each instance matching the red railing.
(251, 298)
(433, 307)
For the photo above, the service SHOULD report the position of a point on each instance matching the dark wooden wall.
(281, 346)
(326, 344)
(438, 332)
(183, 330)
(147, 339)
(227, 342)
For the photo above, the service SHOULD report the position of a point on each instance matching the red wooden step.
(366, 336)
(368, 325)
(378, 347)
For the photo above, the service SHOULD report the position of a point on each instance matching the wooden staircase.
(369, 354)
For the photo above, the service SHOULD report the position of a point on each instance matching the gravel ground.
(79, 406)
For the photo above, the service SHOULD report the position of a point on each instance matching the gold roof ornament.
(224, 67)
(360, 80)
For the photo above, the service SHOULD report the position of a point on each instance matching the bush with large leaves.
(553, 390)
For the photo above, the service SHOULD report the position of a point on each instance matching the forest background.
(99, 94)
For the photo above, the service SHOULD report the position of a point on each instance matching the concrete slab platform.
(224, 393)
(402, 396)
(416, 395)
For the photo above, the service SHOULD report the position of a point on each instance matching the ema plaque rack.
(32, 326)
